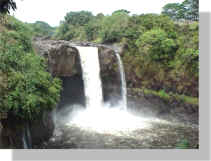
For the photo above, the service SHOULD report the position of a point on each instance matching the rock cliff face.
(63, 58)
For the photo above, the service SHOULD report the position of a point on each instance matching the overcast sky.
(53, 11)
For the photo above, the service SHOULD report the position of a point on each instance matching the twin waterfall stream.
(98, 115)
(92, 81)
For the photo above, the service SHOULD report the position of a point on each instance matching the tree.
(6, 5)
(78, 18)
(114, 27)
(41, 28)
(121, 11)
(188, 10)
(174, 10)
(26, 88)
(156, 45)
(192, 9)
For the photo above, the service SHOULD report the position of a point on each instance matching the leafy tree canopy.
(157, 46)
(40, 28)
(78, 18)
(174, 10)
(188, 10)
(122, 11)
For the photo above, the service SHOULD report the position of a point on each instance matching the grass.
(184, 144)
(170, 96)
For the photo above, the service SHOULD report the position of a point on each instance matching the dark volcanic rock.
(42, 129)
(13, 130)
(73, 91)
(181, 111)
(63, 58)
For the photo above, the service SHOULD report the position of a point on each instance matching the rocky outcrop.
(180, 110)
(63, 58)
(13, 130)
(42, 129)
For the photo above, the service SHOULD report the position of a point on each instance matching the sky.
(53, 11)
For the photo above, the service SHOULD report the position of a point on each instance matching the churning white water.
(123, 82)
(91, 76)
(108, 119)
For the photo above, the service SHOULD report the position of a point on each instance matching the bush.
(40, 28)
(156, 45)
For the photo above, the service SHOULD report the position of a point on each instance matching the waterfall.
(24, 141)
(123, 82)
(26, 138)
(91, 76)
(106, 118)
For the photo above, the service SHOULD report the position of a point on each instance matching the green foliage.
(187, 10)
(184, 144)
(75, 26)
(156, 45)
(84, 26)
(61, 32)
(40, 28)
(150, 21)
(20, 32)
(122, 11)
(26, 88)
(192, 9)
(114, 27)
(78, 18)
(92, 30)
(162, 61)
(174, 10)
(170, 97)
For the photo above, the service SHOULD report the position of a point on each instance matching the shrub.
(156, 45)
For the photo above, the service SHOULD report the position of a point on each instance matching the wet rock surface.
(41, 130)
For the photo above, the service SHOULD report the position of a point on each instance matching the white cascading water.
(123, 82)
(26, 138)
(25, 146)
(91, 76)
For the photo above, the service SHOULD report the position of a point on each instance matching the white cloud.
(53, 11)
